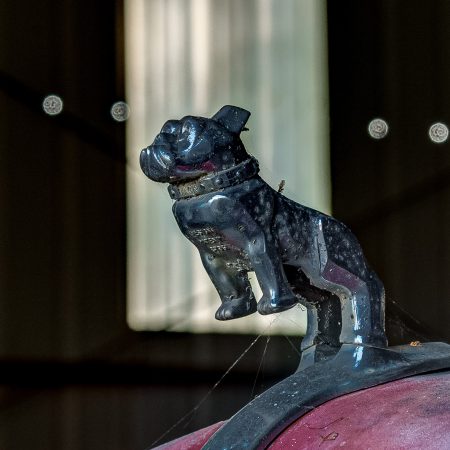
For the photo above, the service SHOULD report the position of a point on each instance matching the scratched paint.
(413, 413)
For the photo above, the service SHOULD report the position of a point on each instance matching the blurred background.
(105, 334)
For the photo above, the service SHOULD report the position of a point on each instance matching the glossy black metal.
(256, 425)
(240, 224)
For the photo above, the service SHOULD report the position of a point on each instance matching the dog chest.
(208, 226)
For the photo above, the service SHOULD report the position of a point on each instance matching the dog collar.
(216, 181)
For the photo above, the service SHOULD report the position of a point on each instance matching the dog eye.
(164, 138)
(171, 127)
(185, 129)
(192, 126)
(188, 133)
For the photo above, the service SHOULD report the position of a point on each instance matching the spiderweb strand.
(206, 396)
(260, 365)
(293, 346)
(421, 333)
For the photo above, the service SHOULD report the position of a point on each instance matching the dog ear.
(232, 118)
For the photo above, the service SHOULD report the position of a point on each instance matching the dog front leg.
(232, 285)
(277, 294)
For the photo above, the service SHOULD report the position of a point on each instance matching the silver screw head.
(438, 133)
(52, 105)
(120, 111)
(378, 128)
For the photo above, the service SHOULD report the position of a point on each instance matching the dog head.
(192, 147)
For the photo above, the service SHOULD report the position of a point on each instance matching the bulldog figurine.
(240, 224)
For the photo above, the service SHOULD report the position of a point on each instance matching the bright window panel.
(190, 57)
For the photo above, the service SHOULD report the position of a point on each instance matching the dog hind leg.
(277, 293)
(323, 317)
(362, 305)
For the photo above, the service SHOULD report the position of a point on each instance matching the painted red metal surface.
(413, 413)
(192, 441)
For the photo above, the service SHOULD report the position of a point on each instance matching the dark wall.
(391, 59)
(62, 225)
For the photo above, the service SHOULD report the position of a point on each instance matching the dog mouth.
(187, 177)
(185, 173)
(158, 167)
(180, 174)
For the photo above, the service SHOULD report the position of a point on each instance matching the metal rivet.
(438, 133)
(52, 105)
(120, 111)
(378, 128)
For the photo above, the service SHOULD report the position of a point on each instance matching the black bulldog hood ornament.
(240, 224)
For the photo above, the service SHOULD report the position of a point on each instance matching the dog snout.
(157, 162)
(143, 161)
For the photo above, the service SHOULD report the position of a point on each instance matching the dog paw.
(269, 306)
(232, 309)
